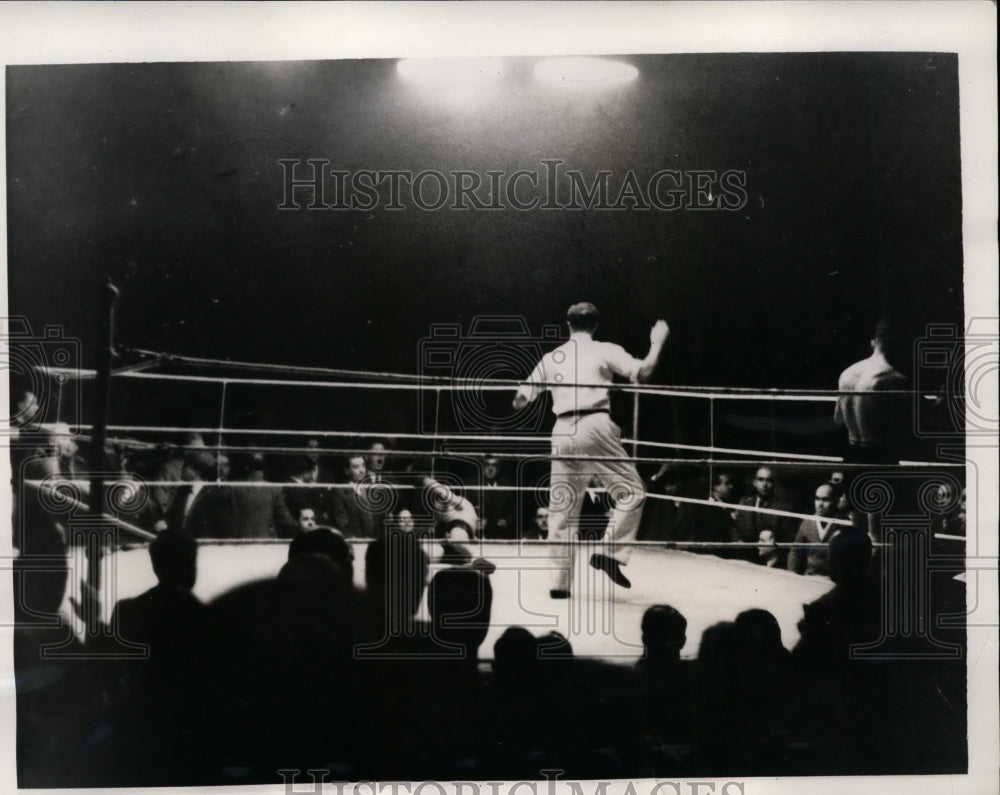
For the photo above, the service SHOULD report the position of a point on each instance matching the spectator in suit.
(257, 509)
(385, 496)
(302, 493)
(351, 511)
(820, 529)
(197, 509)
(716, 522)
(763, 527)
(496, 505)
(539, 527)
(667, 520)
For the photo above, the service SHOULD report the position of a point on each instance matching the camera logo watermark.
(312, 184)
(954, 370)
(460, 364)
(42, 370)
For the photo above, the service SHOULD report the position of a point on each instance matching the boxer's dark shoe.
(559, 593)
(612, 568)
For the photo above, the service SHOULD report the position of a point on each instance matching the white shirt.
(580, 361)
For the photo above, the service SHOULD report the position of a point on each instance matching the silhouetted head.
(718, 652)
(554, 645)
(850, 556)
(324, 541)
(664, 632)
(460, 601)
(314, 573)
(515, 653)
(175, 559)
(583, 316)
(760, 631)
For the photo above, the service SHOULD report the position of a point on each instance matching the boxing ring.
(599, 620)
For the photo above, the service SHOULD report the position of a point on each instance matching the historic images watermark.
(313, 184)
(296, 782)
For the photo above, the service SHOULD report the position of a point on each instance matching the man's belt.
(569, 415)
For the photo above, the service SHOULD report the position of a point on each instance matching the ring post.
(635, 425)
(99, 410)
(222, 425)
(711, 441)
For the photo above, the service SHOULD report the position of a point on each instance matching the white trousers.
(591, 435)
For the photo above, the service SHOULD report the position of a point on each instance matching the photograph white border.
(50, 33)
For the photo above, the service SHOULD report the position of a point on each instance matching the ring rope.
(541, 542)
(49, 486)
(352, 451)
(737, 451)
(422, 379)
(748, 508)
(458, 383)
(798, 458)
(364, 485)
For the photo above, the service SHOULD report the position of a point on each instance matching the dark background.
(166, 178)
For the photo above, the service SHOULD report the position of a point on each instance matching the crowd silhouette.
(305, 671)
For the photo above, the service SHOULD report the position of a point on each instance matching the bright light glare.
(585, 72)
(450, 72)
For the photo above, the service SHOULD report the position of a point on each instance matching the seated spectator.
(764, 527)
(197, 510)
(384, 494)
(717, 522)
(302, 493)
(495, 503)
(666, 519)
(818, 530)
(352, 513)
(538, 530)
(257, 509)
(403, 521)
(838, 480)
(305, 518)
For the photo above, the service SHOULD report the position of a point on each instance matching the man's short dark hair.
(175, 559)
(719, 475)
(583, 316)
